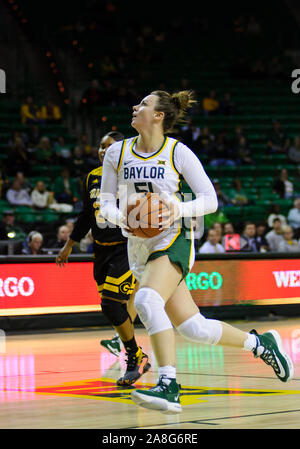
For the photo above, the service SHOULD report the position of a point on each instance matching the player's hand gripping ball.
(145, 214)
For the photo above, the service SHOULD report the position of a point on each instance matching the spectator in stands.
(86, 244)
(258, 69)
(275, 213)
(63, 234)
(65, 188)
(294, 218)
(218, 227)
(289, 244)
(294, 151)
(25, 183)
(274, 237)
(227, 105)
(262, 243)
(9, 229)
(205, 141)
(33, 244)
(238, 133)
(249, 236)
(43, 199)
(243, 153)
(278, 141)
(107, 67)
(190, 134)
(84, 145)
(44, 153)
(92, 160)
(50, 113)
(223, 200)
(29, 111)
(92, 97)
(220, 152)
(16, 134)
(210, 104)
(33, 136)
(211, 245)
(228, 229)
(16, 196)
(253, 27)
(283, 186)
(3, 184)
(62, 151)
(18, 158)
(237, 195)
(77, 164)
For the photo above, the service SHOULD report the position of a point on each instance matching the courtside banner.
(257, 282)
(39, 288)
(44, 288)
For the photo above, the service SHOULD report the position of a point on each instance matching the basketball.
(143, 215)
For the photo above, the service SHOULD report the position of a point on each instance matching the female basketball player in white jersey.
(154, 162)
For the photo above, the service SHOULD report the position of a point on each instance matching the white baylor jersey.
(141, 173)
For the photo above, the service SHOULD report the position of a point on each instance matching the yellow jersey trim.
(145, 158)
(96, 172)
(121, 155)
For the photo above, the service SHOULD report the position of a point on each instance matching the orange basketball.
(143, 215)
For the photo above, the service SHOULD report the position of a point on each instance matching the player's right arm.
(81, 228)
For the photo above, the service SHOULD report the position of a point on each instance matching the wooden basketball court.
(66, 380)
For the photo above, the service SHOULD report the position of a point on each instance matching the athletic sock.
(250, 342)
(130, 346)
(167, 371)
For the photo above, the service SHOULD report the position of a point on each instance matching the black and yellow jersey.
(107, 233)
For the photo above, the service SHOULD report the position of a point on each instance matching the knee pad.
(151, 309)
(115, 312)
(201, 330)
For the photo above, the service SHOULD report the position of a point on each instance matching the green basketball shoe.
(114, 345)
(269, 348)
(164, 397)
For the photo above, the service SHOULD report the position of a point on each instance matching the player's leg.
(192, 325)
(119, 286)
(157, 284)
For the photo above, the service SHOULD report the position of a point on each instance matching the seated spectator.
(274, 237)
(262, 243)
(65, 188)
(294, 218)
(218, 227)
(211, 245)
(294, 151)
(42, 199)
(258, 69)
(63, 234)
(3, 184)
(242, 152)
(227, 106)
(249, 238)
(275, 213)
(29, 111)
(16, 196)
(25, 183)
(9, 229)
(86, 243)
(228, 229)
(44, 153)
(84, 145)
(50, 113)
(15, 135)
(237, 195)
(210, 104)
(205, 141)
(288, 245)
(77, 164)
(33, 244)
(223, 200)
(62, 151)
(220, 152)
(278, 141)
(33, 136)
(238, 133)
(216, 217)
(92, 160)
(283, 186)
(190, 134)
(18, 158)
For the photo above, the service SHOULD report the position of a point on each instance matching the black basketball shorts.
(111, 271)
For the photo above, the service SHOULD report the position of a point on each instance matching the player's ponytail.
(174, 106)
